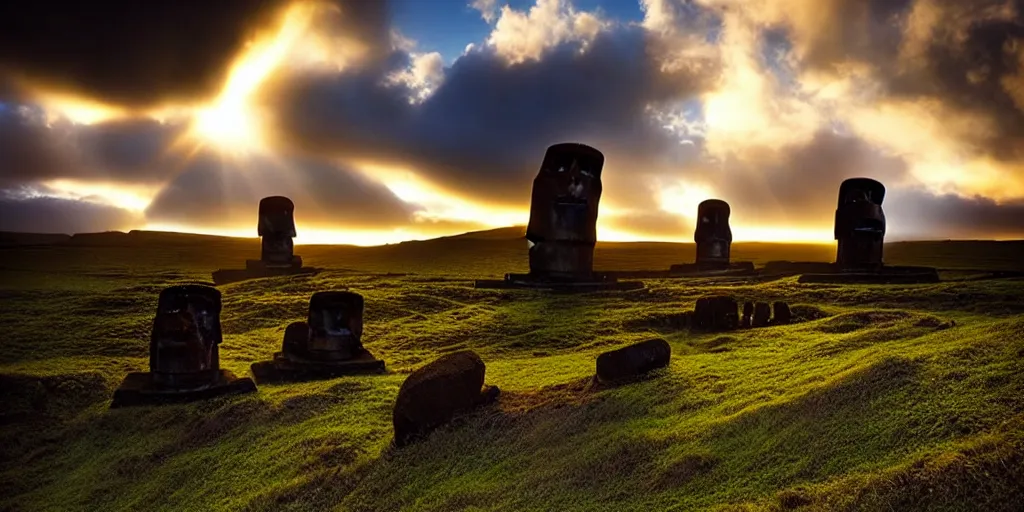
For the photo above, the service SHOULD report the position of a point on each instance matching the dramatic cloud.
(483, 132)
(214, 192)
(28, 212)
(34, 147)
(127, 52)
(768, 104)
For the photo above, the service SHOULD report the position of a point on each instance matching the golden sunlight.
(440, 205)
(127, 197)
(233, 123)
(75, 109)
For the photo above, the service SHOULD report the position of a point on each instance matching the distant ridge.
(144, 237)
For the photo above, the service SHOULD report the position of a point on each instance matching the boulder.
(633, 360)
(762, 314)
(432, 395)
(782, 314)
(716, 313)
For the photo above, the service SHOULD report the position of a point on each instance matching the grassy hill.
(886, 398)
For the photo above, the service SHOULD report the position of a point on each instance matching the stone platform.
(290, 368)
(255, 269)
(138, 388)
(821, 272)
(600, 282)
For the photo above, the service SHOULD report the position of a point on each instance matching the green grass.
(888, 398)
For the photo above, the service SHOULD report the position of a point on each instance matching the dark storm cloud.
(800, 183)
(53, 215)
(211, 191)
(126, 51)
(126, 150)
(484, 130)
(967, 58)
(919, 214)
(141, 53)
(968, 65)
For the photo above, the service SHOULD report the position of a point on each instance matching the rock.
(762, 314)
(748, 313)
(432, 395)
(781, 314)
(633, 360)
(716, 313)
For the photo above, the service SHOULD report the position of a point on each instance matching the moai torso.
(183, 348)
(860, 225)
(277, 229)
(713, 235)
(563, 212)
(335, 326)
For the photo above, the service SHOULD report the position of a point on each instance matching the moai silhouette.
(276, 228)
(562, 231)
(563, 213)
(713, 235)
(328, 344)
(184, 357)
(860, 225)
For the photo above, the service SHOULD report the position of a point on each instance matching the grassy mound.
(900, 397)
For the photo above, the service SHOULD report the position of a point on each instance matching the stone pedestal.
(184, 358)
(328, 344)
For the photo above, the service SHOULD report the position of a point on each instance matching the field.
(905, 397)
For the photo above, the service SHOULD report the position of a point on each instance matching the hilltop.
(881, 398)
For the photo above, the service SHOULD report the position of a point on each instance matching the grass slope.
(883, 398)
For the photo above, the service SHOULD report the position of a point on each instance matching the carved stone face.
(563, 209)
(860, 224)
(186, 331)
(277, 228)
(335, 325)
(713, 234)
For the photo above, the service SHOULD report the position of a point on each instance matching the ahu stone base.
(291, 368)
(138, 388)
(597, 282)
(255, 269)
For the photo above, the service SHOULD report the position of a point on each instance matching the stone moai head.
(277, 228)
(563, 212)
(335, 325)
(713, 235)
(186, 332)
(860, 224)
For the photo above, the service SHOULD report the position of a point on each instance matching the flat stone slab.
(821, 272)
(600, 282)
(633, 361)
(293, 369)
(738, 268)
(138, 389)
(225, 276)
(888, 275)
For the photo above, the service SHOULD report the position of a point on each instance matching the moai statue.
(183, 347)
(713, 235)
(563, 213)
(781, 314)
(327, 344)
(860, 225)
(748, 315)
(762, 314)
(184, 359)
(276, 228)
(335, 326)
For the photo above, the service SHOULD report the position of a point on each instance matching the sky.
(409, 119)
